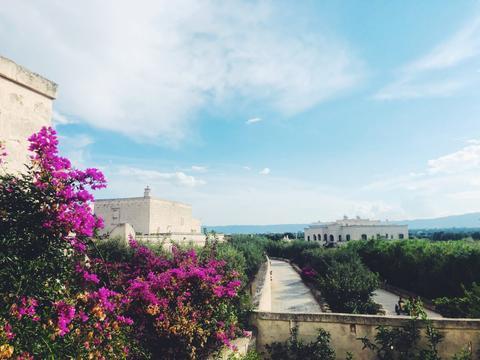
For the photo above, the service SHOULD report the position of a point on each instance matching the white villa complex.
(151, 218)
(344, 230)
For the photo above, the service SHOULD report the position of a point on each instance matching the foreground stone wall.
(346, 328)
(25, 106)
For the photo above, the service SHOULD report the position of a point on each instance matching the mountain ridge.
(469, 220)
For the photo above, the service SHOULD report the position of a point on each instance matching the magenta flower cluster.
(74, 214)
(185, 302)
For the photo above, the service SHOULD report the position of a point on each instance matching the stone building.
(151, 218)
(26, 101)
(341, 231)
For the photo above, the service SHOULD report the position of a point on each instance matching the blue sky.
(260, 112)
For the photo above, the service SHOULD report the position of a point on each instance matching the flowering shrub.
(50, 304)
(308, 273)
(60, 299)
(183, 307)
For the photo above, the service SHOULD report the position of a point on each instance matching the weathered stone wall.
(134, 211)
(171, 216)
(345, 329)
(169, 239)
(25, 106)
(261, 288)
(149, 216)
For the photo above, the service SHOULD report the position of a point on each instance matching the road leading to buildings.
(289, 293)
(388, 301)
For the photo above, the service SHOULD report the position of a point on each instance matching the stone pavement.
(388, 301)
(289, 293)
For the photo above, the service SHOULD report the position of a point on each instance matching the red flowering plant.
(51, 306)
(184, 306)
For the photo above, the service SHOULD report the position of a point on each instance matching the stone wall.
(169, 239)
(25, 106)
(171, 216)
(261, 288)
(345, 329)
(134, 211)
(149, 216)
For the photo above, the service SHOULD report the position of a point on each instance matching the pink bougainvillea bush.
(59, 298)
(183, 307)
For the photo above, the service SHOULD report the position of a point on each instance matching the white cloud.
(444, 71)
(198, 168)
(147, 70)
(144, 175)
(60, 119)
(253, 120)
(248, 168)
(458, 161)
(265, 171)
(75, 148)
(449, 184)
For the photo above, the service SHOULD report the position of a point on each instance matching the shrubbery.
(296, 349)
(346, 284)
(60, 297)
(430, 269)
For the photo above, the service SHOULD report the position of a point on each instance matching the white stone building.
(26, 101)
(152, 219)
(341, 231)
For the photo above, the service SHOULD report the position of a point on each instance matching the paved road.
(388, 301)
(289, 293)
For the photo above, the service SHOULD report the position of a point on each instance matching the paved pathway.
(289, 293)
(388, 301)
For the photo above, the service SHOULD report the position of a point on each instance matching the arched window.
(348, 237)
(308, 238)
(401, 236)
(314, 237)
(339, 237)
(386, 236)
(364, 236)
(319, 237)
(325, 237)
(332, 238)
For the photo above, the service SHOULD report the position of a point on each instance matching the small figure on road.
(400, 306)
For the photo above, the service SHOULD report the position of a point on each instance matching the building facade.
(342, 231)
(150, 217)
(26, 101)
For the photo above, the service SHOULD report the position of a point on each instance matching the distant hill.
(471, 220)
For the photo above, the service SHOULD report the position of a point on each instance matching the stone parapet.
(21, 76)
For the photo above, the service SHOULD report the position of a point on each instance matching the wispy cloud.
(253, 120)
(76, 148)
(465, 159)
(265, 171)
(182, 57)
(248, 168)
(176, 178)
(444, 71)
(456, 170)
(60, 119)
(198, 168)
